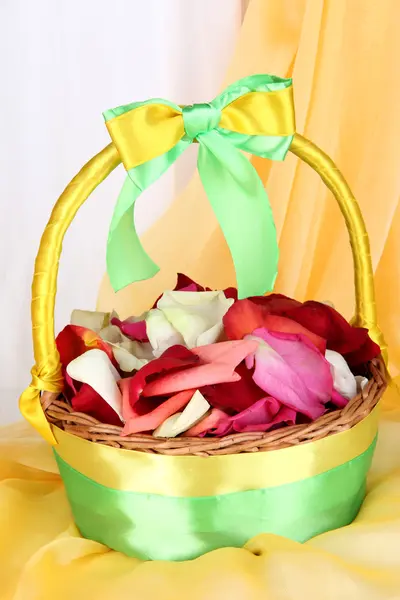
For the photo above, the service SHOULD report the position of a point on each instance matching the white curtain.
(63, 63)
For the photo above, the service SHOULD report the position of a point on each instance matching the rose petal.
(245, 316)
(195, 377)
(353, 343)
(221, 360)
(175, 358)
(197, 316)
(277, 304)
(235, 396)
(185, 283)
(162, 335)
(338, 400)
(90, 319)
(154, 418)
(262, 416)
(95, 368)
(73, 341)
(323, 320)
(180, 422)
(129, 354)
(344, 381)
(133, 328)
(364, 354)
(88, 401)
(127, 362)
(111, 334)
(361, 382)
(209, 422)
(290, 368)
(232, 293)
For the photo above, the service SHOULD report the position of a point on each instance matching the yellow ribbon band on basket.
(189, 476)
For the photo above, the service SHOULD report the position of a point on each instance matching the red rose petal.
(153, 418)
(175, 358)
(236, 396)
(276, 304)
(74, 340)
(91, 403)
(353, 343)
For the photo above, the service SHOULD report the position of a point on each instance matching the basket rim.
(60, 413)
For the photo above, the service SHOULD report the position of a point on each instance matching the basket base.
(157, 527)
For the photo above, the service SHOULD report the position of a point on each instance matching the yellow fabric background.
(343, 55)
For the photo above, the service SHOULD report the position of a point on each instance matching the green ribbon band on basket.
(160, 527)
(253, 115)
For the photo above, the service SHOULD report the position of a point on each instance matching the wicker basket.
(61, 414)
(90, 453)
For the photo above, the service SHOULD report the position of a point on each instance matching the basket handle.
(46, 374)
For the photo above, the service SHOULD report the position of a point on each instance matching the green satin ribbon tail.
(157, 527)
(232, 185)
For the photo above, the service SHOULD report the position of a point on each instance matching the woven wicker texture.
(60, 413)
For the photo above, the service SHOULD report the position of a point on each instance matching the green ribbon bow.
(254, 115)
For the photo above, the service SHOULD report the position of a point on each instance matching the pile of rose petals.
(202, 362)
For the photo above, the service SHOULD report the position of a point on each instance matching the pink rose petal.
(209, 422)
(338, 400)
(261, 416)
(134, 330)
(290, 368)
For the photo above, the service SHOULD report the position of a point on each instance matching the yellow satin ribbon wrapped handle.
(365, 313)
(46, 374)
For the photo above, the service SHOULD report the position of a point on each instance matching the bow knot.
(200, 118)
(46, 379)
(254, 115)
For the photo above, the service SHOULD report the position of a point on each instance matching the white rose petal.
(129, 354)
(162, 335)
(95, 368)
(196, 316)
(112, 334)
(90, 319)
(127, 362)
(182, 421)
(361, 382)
(344, 381)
